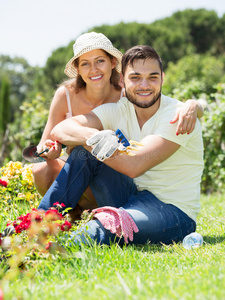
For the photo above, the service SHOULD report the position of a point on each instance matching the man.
(163, 196)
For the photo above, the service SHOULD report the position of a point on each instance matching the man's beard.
(143, 104)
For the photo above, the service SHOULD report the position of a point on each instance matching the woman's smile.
(96, 78)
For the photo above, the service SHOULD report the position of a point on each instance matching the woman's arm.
(57, 113)
(187, 116)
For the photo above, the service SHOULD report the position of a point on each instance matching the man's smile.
(144, 93)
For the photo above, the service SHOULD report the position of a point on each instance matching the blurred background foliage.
(192, 46)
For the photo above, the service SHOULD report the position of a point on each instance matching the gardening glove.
(117, 220)
(106, 143)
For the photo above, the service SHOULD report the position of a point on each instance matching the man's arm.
(76, 130)
(154, 151)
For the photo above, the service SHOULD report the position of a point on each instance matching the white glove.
(106, 143)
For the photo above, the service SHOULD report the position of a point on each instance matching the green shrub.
(213, 127)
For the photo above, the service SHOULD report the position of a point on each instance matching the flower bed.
(16, 183)
(33, 233)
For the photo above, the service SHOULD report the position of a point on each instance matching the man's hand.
(106, 143)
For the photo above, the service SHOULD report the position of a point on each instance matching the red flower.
(3, 183)
(48, 246)
(25, 221)
(36, 215)
(66, 226)
(1, 294)
(53, 215)
(24, 224)
(59, 204)
(38, 219)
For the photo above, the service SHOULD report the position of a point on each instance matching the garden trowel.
(30, 154)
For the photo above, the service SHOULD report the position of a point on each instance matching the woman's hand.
(186, 117)
(55, 149)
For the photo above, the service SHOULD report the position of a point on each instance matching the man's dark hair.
(140, 52)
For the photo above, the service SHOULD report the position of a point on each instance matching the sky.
(32, 29)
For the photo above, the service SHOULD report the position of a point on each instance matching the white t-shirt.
(177, 179)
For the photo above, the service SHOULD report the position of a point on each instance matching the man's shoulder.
(169, 104)
(112, 108)
(168, 101)
(123, 104)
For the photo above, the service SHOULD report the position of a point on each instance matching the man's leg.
(82, 169)
(157, 222)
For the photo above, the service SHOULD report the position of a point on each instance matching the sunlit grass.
(144, 272)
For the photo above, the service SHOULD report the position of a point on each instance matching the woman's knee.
(38, 169)
(47, 170)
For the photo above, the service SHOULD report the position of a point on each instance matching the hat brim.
(71, 70)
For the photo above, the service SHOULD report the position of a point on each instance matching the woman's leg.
(44, 173)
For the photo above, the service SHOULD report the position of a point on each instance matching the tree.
(206, 69)
(27, 130)
(184, 33)
(213, 179)
(55, 65)
(219, 47)
(125, 36)
(4, 104)
(21, 77)
(4, 116)
(201, 26)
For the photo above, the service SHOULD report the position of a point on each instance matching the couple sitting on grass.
(150, 193)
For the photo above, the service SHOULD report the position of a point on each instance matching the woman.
(95, 69)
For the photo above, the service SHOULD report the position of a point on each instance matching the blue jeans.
(157, 221)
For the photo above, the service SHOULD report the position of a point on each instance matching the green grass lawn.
(148, 272)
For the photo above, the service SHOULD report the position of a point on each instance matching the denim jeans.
(157, 221)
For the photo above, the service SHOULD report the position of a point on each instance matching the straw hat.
(88, 42)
